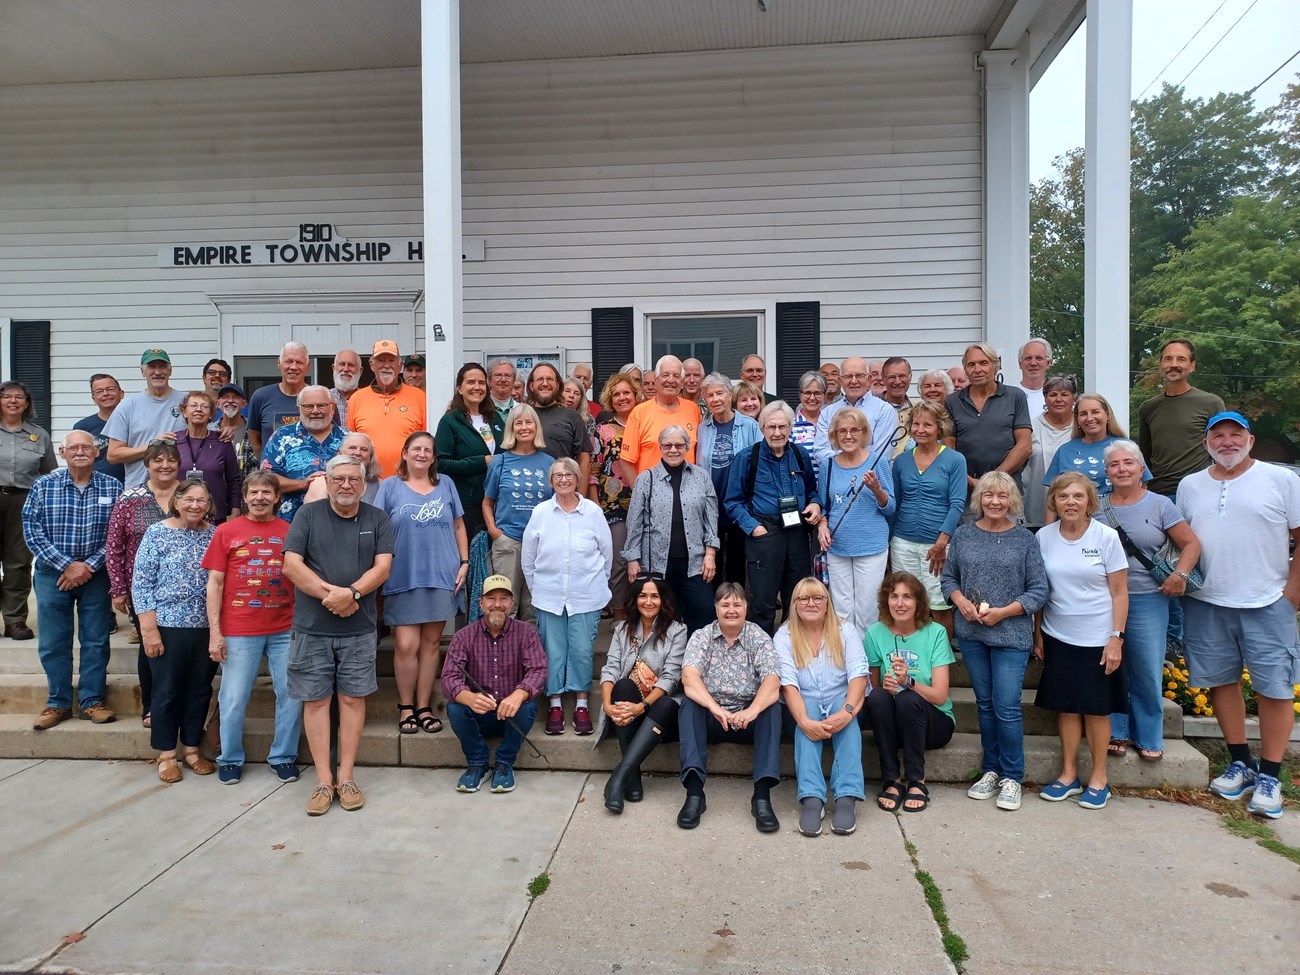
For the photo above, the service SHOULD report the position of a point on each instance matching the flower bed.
(1196, 700)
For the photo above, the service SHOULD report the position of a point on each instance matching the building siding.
(848, 174)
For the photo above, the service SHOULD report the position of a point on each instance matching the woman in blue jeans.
(1144, 519)
(995, 579)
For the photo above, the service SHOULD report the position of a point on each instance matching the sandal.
(1150, 755)
(890, 796)
(198, 764)
(407, 724)
(168, 771)
(146, 719)
(430, 723)
(1117, 747)
(916, 792)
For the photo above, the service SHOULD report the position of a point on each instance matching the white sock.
(582, 701)
(555, 700)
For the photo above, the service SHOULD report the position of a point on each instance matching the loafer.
(844, 820)
(319, 802)
(582, 722)
(19, 631)
(764, 815)
(230, 774)
(1095, 798)
(97, 713)
(1058, 790)
(350, 796)
(692, 809)
(50, 717)
(810, 816)
(555, 721)
(286, 771)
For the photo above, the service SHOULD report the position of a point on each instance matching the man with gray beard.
(1245, 515)
(347, 377)
(298, 452)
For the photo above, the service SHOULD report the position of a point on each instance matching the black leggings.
(910, 720)
(663, 712)
(182, 690)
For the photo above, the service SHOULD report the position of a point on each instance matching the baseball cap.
(385, 347)
(154, 355)
(414, 360)
(232, 388)
(1232, 415)
(497, 582)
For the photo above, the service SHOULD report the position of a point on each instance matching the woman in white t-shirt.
(1079, 634)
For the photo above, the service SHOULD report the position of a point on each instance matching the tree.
(1056, 262)
(1285, 116)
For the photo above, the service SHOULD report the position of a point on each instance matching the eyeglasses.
(810, 600)
(159, 441)
(852, 431)
(672, 446)
(347, 479)
(79, 449)
(853, 375)
(315, 407)
(564, 476)
(218, 372)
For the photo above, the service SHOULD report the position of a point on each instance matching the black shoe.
(634, 791)
(764, 816)
(692, 809)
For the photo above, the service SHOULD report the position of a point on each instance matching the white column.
(440, 116)
(1106, 203)
(1006, 203)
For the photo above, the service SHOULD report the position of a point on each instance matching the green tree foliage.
(1285, 116)
(1056, 262)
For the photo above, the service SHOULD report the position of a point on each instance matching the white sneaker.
(1267, 800)
(1237, 779)
(985, 788)
(1008, 794)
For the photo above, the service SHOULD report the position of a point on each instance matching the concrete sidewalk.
(203, 878)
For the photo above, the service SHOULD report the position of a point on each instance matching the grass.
(953, 945)
(1240, 823)
(539, 885)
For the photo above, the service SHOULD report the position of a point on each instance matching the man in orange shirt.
(388, 410)
(648, 420)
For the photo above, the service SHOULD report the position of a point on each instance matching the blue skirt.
(417, 606)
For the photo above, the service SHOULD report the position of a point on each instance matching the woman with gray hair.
(672, 528)
(724, 434)
(360, 446)
(1049, 431)
(566, 557)
(1144, 521)
(812, 397)
(934, 385)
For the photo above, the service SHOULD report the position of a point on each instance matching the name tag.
(789, 511)
(104, 500)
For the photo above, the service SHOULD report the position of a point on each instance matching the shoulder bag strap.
(1124, 540)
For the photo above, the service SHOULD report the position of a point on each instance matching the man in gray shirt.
(154, 414)
(338, 553)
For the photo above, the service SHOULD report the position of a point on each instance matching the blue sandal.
(1095, 798)
(1059, 790)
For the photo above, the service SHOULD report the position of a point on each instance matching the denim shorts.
(320, 666)
(1222, 639)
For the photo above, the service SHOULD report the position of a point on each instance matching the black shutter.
(29, 363)
(798, 345)
(611, 344)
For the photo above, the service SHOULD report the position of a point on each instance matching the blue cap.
(1232, 415)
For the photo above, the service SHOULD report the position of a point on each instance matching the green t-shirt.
(924, 650)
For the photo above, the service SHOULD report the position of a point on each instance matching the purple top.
(501, 665)
(220, 468)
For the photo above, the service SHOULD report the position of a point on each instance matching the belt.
(13, 490)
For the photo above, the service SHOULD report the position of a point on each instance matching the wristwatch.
(849, 707)
(1117, 633)
(356, 593)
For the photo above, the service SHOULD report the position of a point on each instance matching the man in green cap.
(154, 414)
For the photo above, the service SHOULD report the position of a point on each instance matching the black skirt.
(1074, 682)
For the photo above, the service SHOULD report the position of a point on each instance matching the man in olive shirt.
(1171, 424)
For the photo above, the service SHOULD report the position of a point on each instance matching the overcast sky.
(1267, 34)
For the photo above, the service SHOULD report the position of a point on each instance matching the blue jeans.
(568, 640)
(1143, 663)
(243, 657)
(54, 616)
(473, 729)
(997, 675)
(846, 769)
(1174, 630)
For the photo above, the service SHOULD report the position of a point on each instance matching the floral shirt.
(169, 577)
(294, 453)
(732, 673)
(612, 489)
(135, 511)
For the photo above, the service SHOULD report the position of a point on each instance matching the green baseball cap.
(154, 355)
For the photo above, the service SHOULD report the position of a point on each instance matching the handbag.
(1165, 561)
(642, 676)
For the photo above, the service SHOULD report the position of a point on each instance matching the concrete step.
(1182, 767)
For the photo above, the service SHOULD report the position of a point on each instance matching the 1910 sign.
(316, 243)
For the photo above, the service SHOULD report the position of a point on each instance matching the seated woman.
(640, 684)
(824, 680)
(909, 656)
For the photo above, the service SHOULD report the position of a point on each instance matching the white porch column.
(440, 116)
(1106, 203)
(1006, 203)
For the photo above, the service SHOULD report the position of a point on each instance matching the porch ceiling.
(58, 41)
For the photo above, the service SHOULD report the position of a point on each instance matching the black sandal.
(916, 792)
(430, 723)
(407, 724)
(891, 793)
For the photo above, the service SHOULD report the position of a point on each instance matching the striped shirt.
(64, 523)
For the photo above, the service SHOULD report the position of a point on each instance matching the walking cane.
(477, 688)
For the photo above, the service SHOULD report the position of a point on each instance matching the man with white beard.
(1245, 514)
(347, 377)
(298, 452)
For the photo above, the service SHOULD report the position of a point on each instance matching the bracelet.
(464, 561)
(1182, 575)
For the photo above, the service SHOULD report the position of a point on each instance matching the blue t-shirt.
(425, 553)
(269, 409)
(517, 484)
(94, 426)
(722, 455)
(1086, 459)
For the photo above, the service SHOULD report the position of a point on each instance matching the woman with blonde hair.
(1095, 429)
(517, 482)
(824, 681)
(747, 399)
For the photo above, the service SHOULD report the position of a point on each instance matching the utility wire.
(1217, 43)
(1189, 40)
(1180, 331)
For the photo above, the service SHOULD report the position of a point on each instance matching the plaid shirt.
(63, 524)
(501, 664)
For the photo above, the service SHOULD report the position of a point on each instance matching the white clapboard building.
(569, 179)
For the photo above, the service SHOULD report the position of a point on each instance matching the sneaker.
(503, 779)
(319, 802)
(230, 774)
(50, 717)
(469, 782)
(1237, 779)
(555, 721)
(133, 637)
(1267, 800)
(350, 797)
(844, 820)
(811, 816)
(582, 722)
(985, 788)
(97, 713)
(286, 771)
(1008, 794)
(1095, 798)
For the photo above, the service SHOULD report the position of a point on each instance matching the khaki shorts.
(905, 556)
(320, 666)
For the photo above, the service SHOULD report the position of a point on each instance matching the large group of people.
(768, 571)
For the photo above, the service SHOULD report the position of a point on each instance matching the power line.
(1180, 331)
(1189, 40)
(1217, 43)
